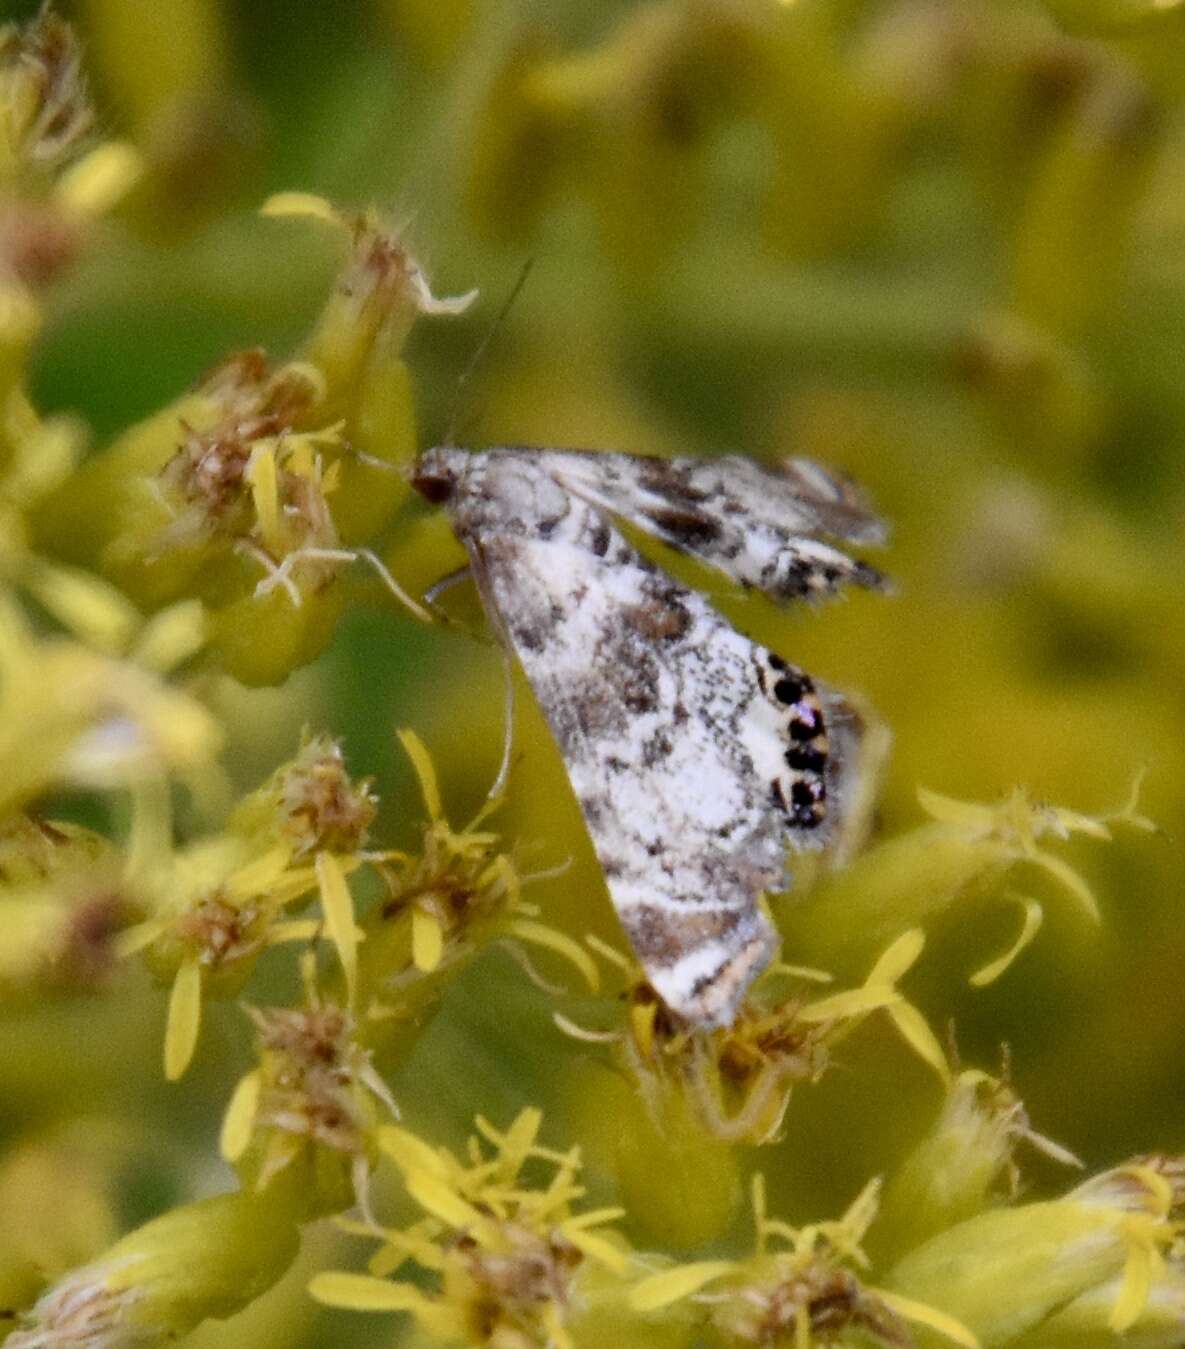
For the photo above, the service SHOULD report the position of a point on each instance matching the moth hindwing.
(697, 756)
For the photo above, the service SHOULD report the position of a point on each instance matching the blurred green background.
(938, 245)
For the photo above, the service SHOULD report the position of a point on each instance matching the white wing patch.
(697, 756)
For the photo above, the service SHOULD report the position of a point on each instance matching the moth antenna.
(466, 375)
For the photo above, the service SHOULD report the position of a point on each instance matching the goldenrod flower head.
(1006, 1271)
(443, 903)
(965, 1163)
(50, 181)
(962, 852)
(161, 1280)
(255, 476)
(311, 803)
(800, 1287)
(508, 1256)
(315, 1087)
(72, 715)
(739, 1078)
(217, 909)
(45, 110)
(382, 289)
(63, 905)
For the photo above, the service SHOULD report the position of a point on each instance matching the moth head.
(436, 473)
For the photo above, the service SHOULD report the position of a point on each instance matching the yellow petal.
(239, 1120)
(844, 1006)
(1142, 1262)
(99, 180)
(921, 1314)
(437, 1197)
(361, 1293)
(1033, 916)
(672, 1285)
(259, 875)
(295, 929)
(307, 204)
(920, 1038)
(171, 636)
(1070, 880)
(965, 814)
(338, 908)
(411, 1153)
(87, 605)
(413, 747)
(133, 939)
(542, 935)
(898, 958)
(427, 940)
(185, 1019)
(265, 493)
(598, 1248)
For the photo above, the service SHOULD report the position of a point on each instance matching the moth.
(698, 757)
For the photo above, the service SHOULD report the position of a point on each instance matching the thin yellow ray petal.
(265, 493)
(923, 1315)
(1030, 925)
(435, 1196)
(258, 875)
(854, 1002)
(964, 814)
(239, 1120)
(413, 747)
(427, 940)
(338, 908)
(362, 1293)
(184, 1019)
(899, 957)
(541, 935)
(672, 1285)
(281, 204)
(1070, 880)
(921, 1039)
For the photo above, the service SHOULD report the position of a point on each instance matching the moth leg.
(281, 575)
(499, 783)
(438, 588)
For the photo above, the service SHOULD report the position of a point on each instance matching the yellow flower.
(51, 181)
(310, 803)
(965, 1163)
(71, 715)
(1005, 1272)
(442, 905)
(218, 906)
(314, 1098)
(507, 1260)
(198, 1260)
(964, 853)
(799, 1288)
(738, 1079)
(63, 902)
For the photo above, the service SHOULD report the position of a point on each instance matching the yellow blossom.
(738, 1079)
(800, 1287)
(314, 1102)
(442, 905)
(962, 855)
(510, 1260)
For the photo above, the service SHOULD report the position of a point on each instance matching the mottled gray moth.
(698, 757)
